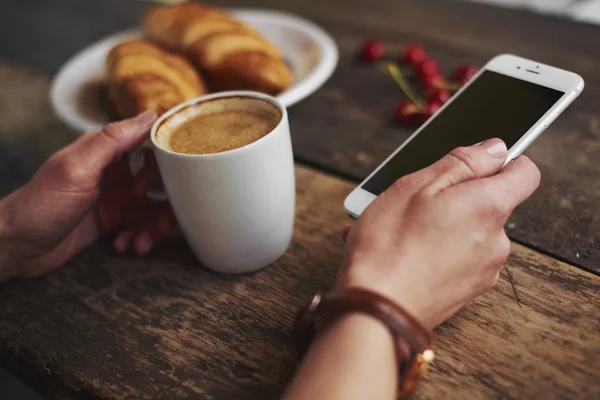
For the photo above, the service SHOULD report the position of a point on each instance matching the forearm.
(354, 358)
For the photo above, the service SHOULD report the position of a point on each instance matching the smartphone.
(511, 98)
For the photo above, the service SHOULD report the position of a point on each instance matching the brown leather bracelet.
(412, 341)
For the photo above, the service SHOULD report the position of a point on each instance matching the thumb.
(467, 163)
(95, 150)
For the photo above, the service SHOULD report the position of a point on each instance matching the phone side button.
(550, 120)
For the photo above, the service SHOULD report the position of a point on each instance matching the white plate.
(310, 51)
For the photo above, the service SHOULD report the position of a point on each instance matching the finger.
(498, 195)
(140, 209)
(466, 163)
(149, 176)
(115, 196)
(116, 173)
(110, 211)
(346, 231)
(121, 241)
(94, 151)
(517, 181)
(142, 243)
(135, 217)
(160, 226)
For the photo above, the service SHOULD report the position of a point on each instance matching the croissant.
(230, 53)
(142, 76)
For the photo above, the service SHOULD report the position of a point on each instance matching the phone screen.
(494, 105)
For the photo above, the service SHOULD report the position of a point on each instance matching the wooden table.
(107, 327)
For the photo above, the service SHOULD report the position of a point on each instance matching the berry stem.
(451, 87)
(395, 72)
(383, 67)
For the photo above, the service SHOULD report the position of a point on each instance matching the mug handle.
(137, 160)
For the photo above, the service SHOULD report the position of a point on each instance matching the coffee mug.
(235, 208)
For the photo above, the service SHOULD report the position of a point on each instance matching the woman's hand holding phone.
(435, 239)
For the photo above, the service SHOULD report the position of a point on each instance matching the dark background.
(45, 33)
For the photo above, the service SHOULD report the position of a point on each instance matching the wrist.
(363, 328)
(404, 292)
(374, 324)
(352, 357)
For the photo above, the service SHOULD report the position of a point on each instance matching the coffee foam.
(207, 107)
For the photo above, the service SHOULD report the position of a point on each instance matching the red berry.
(464, 72)
(440, 95)
(428, 67)
(372, 50)
(427, 112)
(414, 55)
(432, 106)
(434, 81)
(422, 116)
(405, 112)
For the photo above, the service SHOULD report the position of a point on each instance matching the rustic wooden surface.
(346, 127)
(161, 327)
(357, 133)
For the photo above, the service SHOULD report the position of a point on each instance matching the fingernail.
(146, 118)
(496, 148)
(121, 242)
(143, 244)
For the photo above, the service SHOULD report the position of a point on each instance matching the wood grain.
(162, 327)
(346, 127)
(356, 132)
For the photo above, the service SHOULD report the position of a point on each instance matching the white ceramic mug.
(235, 208)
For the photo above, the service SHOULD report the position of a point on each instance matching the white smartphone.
(511, 98)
